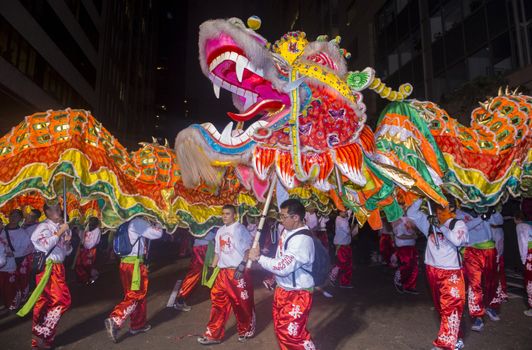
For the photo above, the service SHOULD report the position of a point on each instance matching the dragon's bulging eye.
(323, 59)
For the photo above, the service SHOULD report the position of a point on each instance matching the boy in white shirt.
(232, 244)
(134, 278)
(405, 242)
(292, 267)
(51, 298)
(443, 266)
(344, 252)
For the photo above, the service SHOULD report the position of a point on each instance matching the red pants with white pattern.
(85, 264)
(386, 248)
(8, 288)
(52, 303)
(528, 277)
(448, 294)
(480, 267)
(291, 309)
(194, 271)
(344, 262)
(408, 269)
(23, 276)
(501, 293)
(134, 303)
(226, 294)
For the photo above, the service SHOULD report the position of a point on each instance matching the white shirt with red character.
(231, 243)
(444, 256)
(91, 238)
(402, 228)
(298, 257)
(44, 239)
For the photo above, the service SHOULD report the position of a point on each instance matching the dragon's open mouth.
(230, 68)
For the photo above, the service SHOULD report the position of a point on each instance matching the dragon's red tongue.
(265, 105)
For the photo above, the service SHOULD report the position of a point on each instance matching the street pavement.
(372, 315)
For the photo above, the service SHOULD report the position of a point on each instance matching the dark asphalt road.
(370, 316)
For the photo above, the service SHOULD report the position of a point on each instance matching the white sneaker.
(528, 312)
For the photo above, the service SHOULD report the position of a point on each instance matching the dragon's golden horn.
(153, 139)
(507, 90)
(484, 105)
(166, 142)
(499, 93)
(386, 92)
(515, 91)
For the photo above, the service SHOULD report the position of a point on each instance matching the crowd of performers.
(463, 261)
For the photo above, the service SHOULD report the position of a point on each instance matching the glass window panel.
(433, 5)
(23, 56)
(452, 15)
(438, 61)
(475, 31)
(456, 75)
(13, 48)
(478, 64)
(31, 63)
(401, 4)
(403, 28)
(393, 63)
(454, 45)
(498, 21)
(470, 6)
(436, 28)
(439, 87)
(501, 48)
(413, 9)
(503, 66)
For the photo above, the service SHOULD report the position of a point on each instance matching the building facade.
(92, 54)
(438, 45)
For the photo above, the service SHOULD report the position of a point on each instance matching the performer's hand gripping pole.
(247, 264)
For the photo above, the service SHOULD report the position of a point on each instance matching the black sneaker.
(411, 291)
(208, 341)
(398, 287)
(144, 329)
(112, 330)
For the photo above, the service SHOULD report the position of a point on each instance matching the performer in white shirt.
(8, 286)
(19, 244)
(344, 253)
(134, 278)
(195, 268)
(291, 266)
(90, 237)
(524, 239)
(444, 273)
(232, 244)
(51, 297)
(405, 278)
(480, 267)
(496, 222)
